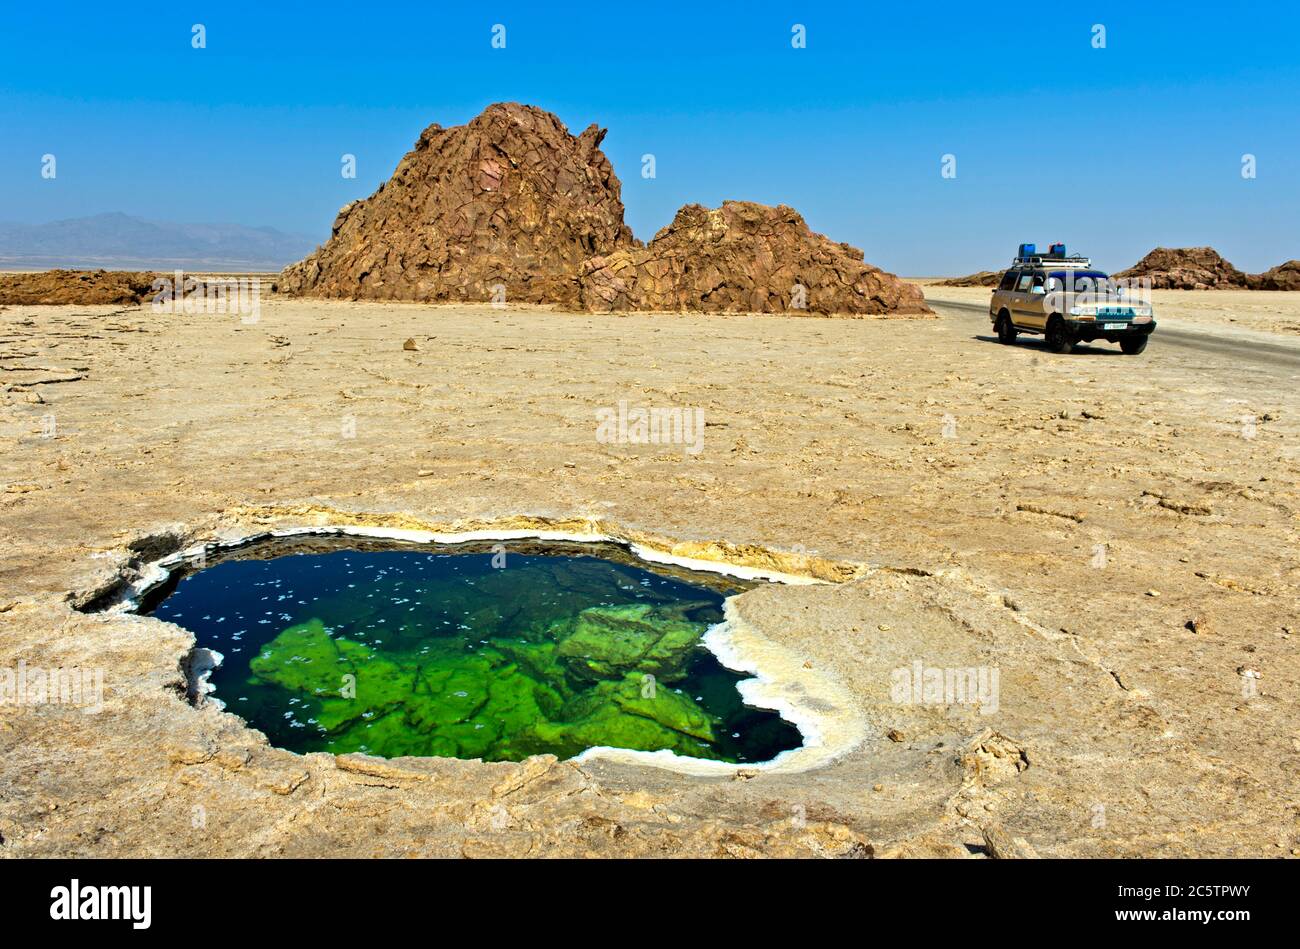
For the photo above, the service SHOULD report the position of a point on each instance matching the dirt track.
(1241, 348)
(968, 486)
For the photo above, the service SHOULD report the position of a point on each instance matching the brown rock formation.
(511, 198)
(1282, 277)
(75, 287)
(1186, 268)
(744, 257)
(985, 278)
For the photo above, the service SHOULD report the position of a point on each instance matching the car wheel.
(1133, 345)
(1058, 336)
(1006, 329)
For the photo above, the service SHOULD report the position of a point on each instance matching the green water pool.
(488, 651)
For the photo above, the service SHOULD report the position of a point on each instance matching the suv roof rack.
(1073, 262)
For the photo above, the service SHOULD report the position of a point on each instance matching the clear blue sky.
(1112, 150)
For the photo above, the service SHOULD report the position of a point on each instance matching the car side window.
(1038, 281)
(1008, 280)
(1023, 285)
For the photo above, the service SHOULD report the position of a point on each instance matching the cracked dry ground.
(1122, 728)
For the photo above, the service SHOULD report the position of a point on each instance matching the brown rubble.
(744, 257)
(1282, 277)
(1186, 268)
(76, 287)
(984, 278)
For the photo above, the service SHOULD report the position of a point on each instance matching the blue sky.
(1112, 150)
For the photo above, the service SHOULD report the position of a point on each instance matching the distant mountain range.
(117, 241)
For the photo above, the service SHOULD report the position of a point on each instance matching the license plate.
(1114, 326)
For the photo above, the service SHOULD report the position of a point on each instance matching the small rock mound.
(744, 257)
(509, 199)
(985, 278)
(76, 287)
(1186, 268)
(1282, 277)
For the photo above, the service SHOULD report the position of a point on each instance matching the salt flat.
(973, 504)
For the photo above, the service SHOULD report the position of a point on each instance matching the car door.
(1035, 303)
(1020, 301)
(1002, 293)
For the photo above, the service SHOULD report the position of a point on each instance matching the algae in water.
(403, 653)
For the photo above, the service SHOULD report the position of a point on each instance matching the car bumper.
(1085, 330)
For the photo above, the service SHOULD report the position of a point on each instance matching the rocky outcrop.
(744, 257)
(76, 287)
(1186, 268)
(985, 278)
(509, 199)
(512, 207)
(1282, 277)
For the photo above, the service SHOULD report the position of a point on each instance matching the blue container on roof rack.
(1028, 250)
(1056, 250)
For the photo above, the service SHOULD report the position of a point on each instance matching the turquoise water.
(470, 652)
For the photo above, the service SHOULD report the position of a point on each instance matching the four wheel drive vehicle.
(1068, 302)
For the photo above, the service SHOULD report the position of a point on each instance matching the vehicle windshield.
(1080, 281)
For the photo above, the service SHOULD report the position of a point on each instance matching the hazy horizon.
(118, 241)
